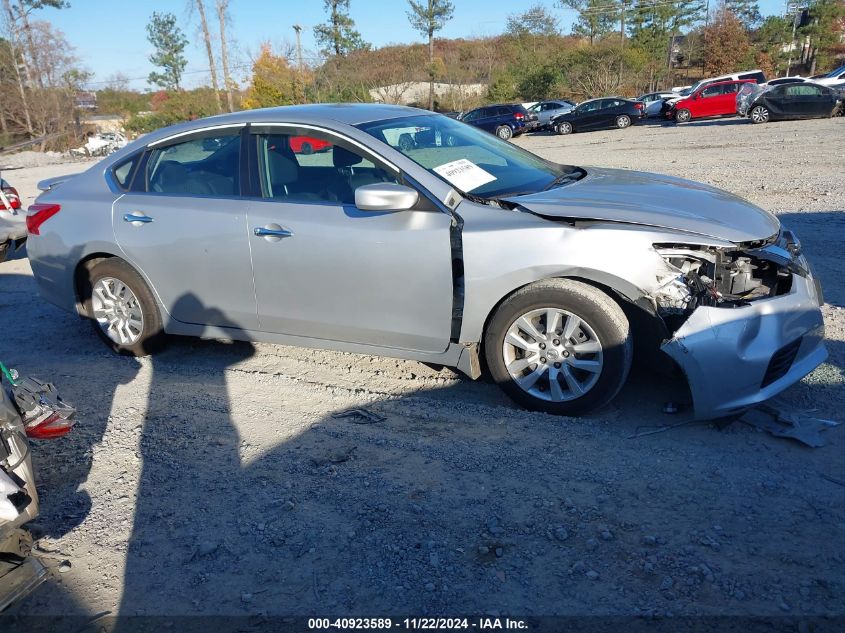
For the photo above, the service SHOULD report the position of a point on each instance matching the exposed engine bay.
(727, 278)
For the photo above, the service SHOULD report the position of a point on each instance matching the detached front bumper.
(734, 358)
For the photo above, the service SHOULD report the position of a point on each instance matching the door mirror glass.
(385, 196)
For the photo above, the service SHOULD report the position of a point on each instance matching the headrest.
(344, 158)
(283, 170)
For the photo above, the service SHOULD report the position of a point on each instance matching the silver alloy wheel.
(683, 116)
(623, 121)
(117, 311)
(504, 132)
(564, 128)
(759, 114)
(553, 355)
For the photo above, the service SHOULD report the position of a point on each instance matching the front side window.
(467, 158)
(206, 166)
(589, 106)
(300, 166)
(712, 91)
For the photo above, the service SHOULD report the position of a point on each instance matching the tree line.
(614, 47)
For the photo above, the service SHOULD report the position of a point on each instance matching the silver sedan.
(458, 249)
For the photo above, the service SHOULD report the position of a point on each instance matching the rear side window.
(803, 90)
(207, 166)
(124, 171)
(503, 111)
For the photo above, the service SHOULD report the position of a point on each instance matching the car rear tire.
(504, 132)
(564, 128)
(122, 308)
(559, 346)
(683, 115)
(623, 121)
(759, 114)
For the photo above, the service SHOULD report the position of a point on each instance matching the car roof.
(346, 113)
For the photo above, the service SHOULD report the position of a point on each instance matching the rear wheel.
(504, 132)
(623, 121)
(683, 115)
(564, 128)
(559, 346)
(759, 114)
(122, 308)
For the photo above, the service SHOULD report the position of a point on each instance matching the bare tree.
(222, 6)
(210, 52)
(17, 58)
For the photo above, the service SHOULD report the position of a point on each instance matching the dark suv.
(503, 119)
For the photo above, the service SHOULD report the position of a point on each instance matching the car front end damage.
(743, 323)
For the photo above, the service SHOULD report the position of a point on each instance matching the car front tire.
(504, 132)
(559, 346)
(759, 114)
(122, 309)
(564, 128)
(683, 116)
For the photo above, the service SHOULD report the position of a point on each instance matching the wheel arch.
(620, 290)
(83, 268)
(648, 330)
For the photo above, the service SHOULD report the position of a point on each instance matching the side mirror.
(385, 196)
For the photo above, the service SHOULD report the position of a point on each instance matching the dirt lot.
(214, 479)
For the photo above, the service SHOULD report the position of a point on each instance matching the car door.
(727, 100)
(706, 102)
(326, 270)
(588, 115)
(810, 101)
(183, 225)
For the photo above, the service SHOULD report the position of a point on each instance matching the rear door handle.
(137, 218)
(272, 232)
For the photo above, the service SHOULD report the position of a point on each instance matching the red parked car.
(307, 144)
(716, 99)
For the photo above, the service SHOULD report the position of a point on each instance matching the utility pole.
(298, 29)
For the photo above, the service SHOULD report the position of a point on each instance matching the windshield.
(469, 159)
(835, 72)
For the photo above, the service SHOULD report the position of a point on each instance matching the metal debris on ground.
(654, 430)
(359, 416)
(782, 421)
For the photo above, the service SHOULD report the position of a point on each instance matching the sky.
(109, 36)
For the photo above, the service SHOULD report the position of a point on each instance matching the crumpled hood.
(666, 202)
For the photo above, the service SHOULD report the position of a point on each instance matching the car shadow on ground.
(451, 503)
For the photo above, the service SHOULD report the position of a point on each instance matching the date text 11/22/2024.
(413, 624)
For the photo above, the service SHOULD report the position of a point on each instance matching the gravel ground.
(214, 479)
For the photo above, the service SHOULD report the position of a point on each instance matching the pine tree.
(338, 36)
(428, 17)
(596, 18)
(170, 43)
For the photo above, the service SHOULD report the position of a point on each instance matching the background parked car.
(716, 99)
(599, 113)
(308, 145)
(790, 101)
(757, 76)
(786, 80)
(546, 110)
(833, 77)
(12, 220)
(654, 102)
(503, 119)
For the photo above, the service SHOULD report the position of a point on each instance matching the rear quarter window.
(123, 172)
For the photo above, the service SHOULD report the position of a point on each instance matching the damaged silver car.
(29, 409)
(459, 249)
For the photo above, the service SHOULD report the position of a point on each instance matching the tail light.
(49, 428)
(10, 199)
(518, 116)
(38, 214)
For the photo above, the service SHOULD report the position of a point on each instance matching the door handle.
(272, 232)
(137, 218)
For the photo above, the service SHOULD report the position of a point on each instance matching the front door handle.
(272, 232)
(137, 218)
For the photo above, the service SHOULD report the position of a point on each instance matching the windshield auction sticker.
(464, 174)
